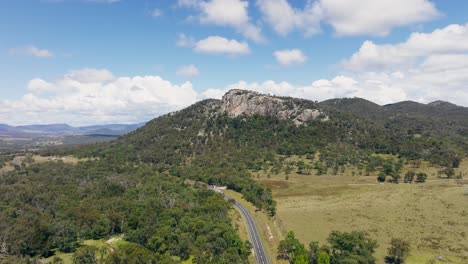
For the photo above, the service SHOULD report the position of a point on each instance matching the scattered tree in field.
(398, 251)
(382, 176)
(351, 247)
(449, 172)
(321, 169)
(399, 165)
(396, 177)
(292, 250)
(300, 167)
(409, 176)
(421, 177)
(388, 168)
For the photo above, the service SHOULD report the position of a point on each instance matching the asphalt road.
(257, 245)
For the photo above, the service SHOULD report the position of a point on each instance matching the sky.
(85, 62)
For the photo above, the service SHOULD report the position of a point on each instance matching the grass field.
(40, 159)
(109, 245)
(432, 216)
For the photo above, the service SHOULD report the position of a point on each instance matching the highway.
(257, 245)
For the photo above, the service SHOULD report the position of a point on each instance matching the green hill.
(137, 185)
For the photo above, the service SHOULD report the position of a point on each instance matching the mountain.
(111, 129)
(438, 118)
(5, 128)
(283, 125)
(220, 141)
(358, 106)
(64, 129)
(46, 129)
(53, 135)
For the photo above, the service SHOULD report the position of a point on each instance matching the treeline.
(354, 247)
(51, 207)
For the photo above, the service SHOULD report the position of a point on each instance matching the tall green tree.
(421, 177)
(323, 258)
(398, 251)
(352, 247)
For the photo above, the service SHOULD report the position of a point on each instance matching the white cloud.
(379, 88)
(39, 86)
(156, 13)
(440, 72)
(188, 71)
(360, 17)
(220, 45)
(79, 102)
(290, 57)
(319, 90)
(32, 51)
(347, 17)
(88, 75)
(283, 18)
(371, 56)
(185, 41)
(230, 13)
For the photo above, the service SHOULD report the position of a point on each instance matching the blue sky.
(99, 61)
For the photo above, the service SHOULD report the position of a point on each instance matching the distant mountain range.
(64, 129)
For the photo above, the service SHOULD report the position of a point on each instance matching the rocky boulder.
(241, 102)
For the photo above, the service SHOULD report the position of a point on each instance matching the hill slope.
(439, 119)
(221, 141)
(146, 184)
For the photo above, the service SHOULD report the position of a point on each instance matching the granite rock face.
(241, 102)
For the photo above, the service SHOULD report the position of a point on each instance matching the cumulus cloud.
(80, 101)
(188, 71)
(31, 51)
(371, 56)
(367, 17)
(290, 57)
(283, 18)
(359, 17)
(220, 45)
(230, 13)
(88, 75)
(424, 68)
(319, 90)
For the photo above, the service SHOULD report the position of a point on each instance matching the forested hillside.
(136, 186)
(218, 141)
(436, 119)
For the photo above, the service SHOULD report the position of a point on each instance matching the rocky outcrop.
(241, 102)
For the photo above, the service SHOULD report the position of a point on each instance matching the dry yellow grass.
(433, 216)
